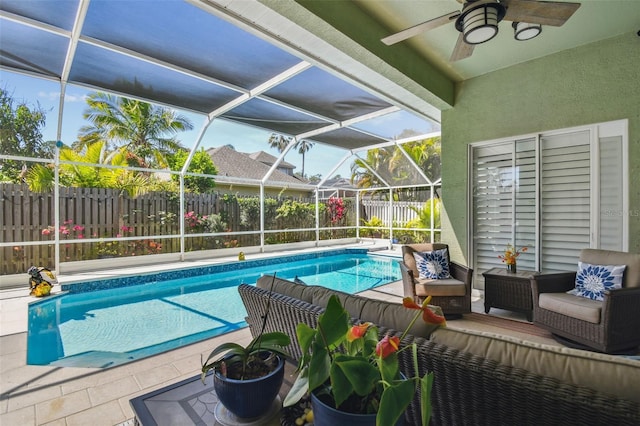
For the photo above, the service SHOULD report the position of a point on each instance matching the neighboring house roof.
(230, 162)
(266, 158)
(340, 183)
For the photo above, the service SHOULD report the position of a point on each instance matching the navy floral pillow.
(432, 264)
(593, 280)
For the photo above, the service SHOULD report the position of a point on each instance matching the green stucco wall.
(594, 83)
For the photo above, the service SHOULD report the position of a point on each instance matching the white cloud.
(54, 96)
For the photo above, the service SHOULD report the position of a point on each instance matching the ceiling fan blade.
(539, 12)
(462, 49)
(420, 28)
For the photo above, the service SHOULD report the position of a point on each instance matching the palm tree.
(280, 143)
(147, 131)
(377, 159)
(303, 147)
(426, 155)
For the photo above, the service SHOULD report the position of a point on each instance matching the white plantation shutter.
(611, 194)
(503, 203)
(525, 199)
(555, 193)
(492, 204)
(565, 199)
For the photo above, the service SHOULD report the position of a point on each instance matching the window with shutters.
(554, 193)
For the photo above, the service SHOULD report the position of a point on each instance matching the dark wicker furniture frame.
(619, 326)
(451, 305)
(508, 290)
(468, 389)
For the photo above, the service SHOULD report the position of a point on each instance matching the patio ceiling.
(198, 57)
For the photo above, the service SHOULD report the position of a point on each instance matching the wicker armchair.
(611, 325)
(452, 295)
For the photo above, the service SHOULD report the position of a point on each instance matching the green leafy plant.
(349, 368)
(423, 220)
(248, 362)
(374, 222)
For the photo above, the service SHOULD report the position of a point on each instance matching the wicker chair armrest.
(620, 309)
(408, 282)
(461, 273)
(553, 283)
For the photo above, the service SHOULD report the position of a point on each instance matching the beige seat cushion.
(631, 277)
(614, 375)
(446, 287)
(387, 314)
(286, 287)
(578, 307)
(351, 303)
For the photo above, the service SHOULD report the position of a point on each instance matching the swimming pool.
(110, 322)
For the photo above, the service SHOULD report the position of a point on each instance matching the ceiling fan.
(478, 20)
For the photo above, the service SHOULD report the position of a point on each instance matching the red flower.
(427, 314)
(357, 331)
(387, 346)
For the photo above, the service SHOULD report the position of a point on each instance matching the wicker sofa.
(480, 378)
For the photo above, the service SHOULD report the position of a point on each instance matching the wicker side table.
(508, 290)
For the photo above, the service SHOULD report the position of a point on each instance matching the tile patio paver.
(108, 413)
(110, 391)
(62, 406)
(23, 416)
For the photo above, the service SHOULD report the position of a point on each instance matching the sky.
(320, 160)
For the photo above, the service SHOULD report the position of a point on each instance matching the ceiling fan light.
(479, 23)
(526, 31)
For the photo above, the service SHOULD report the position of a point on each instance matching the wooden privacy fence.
(109, 213)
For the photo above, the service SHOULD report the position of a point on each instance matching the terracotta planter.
(249, 398)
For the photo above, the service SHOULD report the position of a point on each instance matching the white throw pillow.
(593, 280)
(432, 264)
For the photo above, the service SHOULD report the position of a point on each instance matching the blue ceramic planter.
(324, 415)
(249, 398)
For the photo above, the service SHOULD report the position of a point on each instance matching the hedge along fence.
(109, 213)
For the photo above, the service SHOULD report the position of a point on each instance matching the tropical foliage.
(84, 173)
(20, 135)
(423, 220)
(382, 166)
(200, 163)
(148, 132)
(355, 371)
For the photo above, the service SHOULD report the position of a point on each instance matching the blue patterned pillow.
(593, 280)
(432, 264)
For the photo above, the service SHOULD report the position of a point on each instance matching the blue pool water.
(95, 325)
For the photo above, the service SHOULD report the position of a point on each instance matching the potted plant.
(510, 255)
(247, 379)
(350, 370)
